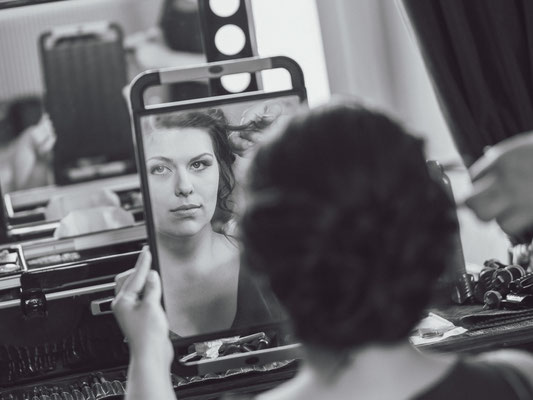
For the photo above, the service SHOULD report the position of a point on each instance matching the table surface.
(487, 329)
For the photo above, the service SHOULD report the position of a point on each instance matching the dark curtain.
(479, 54)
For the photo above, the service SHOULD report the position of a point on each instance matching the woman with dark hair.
(350, 230)
(214, 123)
(189, 162)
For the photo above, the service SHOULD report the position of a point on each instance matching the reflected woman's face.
(183, 175)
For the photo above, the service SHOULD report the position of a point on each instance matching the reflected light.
(224, 8)
(230, 39)
(236, 83)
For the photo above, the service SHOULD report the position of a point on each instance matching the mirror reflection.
(65, 137)
(194, 161)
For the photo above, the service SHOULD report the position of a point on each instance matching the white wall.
(291, 28)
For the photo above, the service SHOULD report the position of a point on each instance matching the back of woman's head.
(347, 225)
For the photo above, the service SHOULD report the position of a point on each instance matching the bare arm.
(147, 380)
(145, 326)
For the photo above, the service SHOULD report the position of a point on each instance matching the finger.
(124, 300)
(44, 120)
(152, 289)
(240, 146)
(48, 144)
(121, 278)
(487, 200)
(41, 133)
(244, 144)
(494, 159)
(483, 166)
(515, 221)
(487, 207)
(137, 280)
(237, 140)
(253, 137)
(49, 130)
(240, 136)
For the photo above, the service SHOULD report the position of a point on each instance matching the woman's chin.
(186, 229)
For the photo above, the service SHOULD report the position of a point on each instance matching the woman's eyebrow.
(201, 156)
(161, 158)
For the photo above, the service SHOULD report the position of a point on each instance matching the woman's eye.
(159, 170)
(199, 165)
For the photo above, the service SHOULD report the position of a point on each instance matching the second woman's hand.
(242, 143)
(502, 181)
(137, 308)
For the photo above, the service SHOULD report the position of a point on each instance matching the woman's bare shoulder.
(518, 359)
(226, 252)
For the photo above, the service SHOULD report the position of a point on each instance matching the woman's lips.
(185, 207)
(187, 210)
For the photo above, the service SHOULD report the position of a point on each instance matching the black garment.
(469, 380)
(255, 305)
(480, 58)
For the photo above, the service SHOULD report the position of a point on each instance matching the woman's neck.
(187, 248)
(199, 275)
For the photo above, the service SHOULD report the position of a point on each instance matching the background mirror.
(63, 119)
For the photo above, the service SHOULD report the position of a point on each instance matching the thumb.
(152, 288)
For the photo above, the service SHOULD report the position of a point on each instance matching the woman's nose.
(184, 185)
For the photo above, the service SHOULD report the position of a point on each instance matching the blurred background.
(369, 51)
(362, 48)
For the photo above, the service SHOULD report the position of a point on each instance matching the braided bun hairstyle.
(347, 225)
